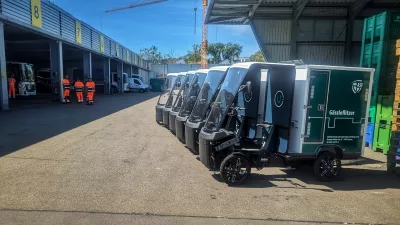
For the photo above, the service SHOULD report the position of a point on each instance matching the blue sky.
(167, 25)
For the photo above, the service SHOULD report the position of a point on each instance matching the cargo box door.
(315, 116)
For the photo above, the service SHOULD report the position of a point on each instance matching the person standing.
(90, 89)
(67, 87)
(79, 86)
(11, 86)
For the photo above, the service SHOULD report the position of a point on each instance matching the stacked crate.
(378, 46)
(382, 126)
(393, 157)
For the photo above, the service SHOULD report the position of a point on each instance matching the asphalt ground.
(111, 163)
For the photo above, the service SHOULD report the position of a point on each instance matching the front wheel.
(327, 166)
(235, 169)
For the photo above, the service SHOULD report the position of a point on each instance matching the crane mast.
(204, 43)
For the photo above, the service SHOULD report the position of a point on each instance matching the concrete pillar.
(131, 70)
(57, 68)
(120, 70)
(348, 48)
(87, 64)
(107, 76)
(3, 69)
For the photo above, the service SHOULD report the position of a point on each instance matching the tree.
(193, 56)
(231, 51)
(152, 53)
(170, 57)
(220, 51)
(257, 57)
(215, 50)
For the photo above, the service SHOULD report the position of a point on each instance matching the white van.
(137, 84)
(115, 80)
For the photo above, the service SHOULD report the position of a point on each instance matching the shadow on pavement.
(351, 179)
(361, 161)
(24, 126)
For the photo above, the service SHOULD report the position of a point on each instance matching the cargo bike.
(298, 115)
(171, 85)
(195, 121)
(188, 92)
(195, 97)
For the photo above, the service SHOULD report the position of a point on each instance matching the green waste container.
(157, 84)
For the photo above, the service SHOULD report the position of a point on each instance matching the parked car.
(137, 84)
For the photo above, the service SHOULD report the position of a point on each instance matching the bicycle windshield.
(169, 82)
(206, 95)
(166, 98)
(225, 97)
(191, 97)
(182, 93)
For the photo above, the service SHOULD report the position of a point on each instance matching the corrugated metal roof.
(274, 31)
(238, 11)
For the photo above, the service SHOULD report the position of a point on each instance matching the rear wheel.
(327, 167)
(235, 169)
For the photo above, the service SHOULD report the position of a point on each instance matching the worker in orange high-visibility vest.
(11, 86)
(90, 89)
(67, 87)
(79, 86)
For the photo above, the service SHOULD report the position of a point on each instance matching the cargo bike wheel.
(327, 167)
(235, 169)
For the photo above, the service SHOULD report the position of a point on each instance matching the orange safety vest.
(79, 86)
(66, 83)
(11, 82)
(90, 85)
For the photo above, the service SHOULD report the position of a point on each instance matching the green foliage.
(152, 53)
(217, 51)
(231, 51)
(193, 56)
(220, 51)
(257, 57)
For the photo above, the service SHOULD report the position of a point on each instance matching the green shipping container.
(377, 51)
(382, 136)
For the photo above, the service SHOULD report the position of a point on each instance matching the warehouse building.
(40, 43)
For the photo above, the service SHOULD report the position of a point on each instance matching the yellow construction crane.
(143, 3)
(204, 51)
(204, 43)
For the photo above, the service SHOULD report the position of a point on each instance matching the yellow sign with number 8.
(78, 32)
(36, 11)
